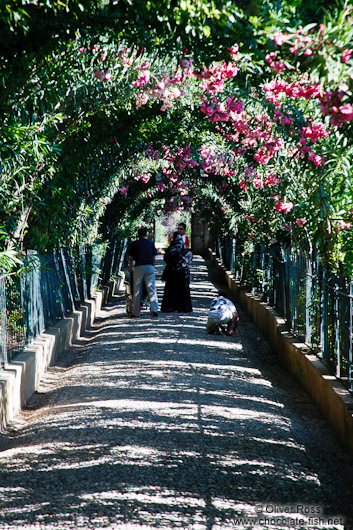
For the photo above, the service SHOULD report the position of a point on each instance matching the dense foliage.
(113, 112)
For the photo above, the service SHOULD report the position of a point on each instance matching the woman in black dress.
(176, 275)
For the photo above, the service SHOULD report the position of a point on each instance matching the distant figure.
(176, 275)
(143, 253)
(181, 230)
(222, 317)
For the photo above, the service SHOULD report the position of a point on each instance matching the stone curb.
(331, 397)
(21, 377)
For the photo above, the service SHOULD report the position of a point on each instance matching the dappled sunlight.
(159, 426)
(208, 343)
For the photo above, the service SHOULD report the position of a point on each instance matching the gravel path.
(152, 424)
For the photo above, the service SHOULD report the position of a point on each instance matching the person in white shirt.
(222, 317)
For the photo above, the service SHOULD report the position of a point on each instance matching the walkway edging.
(328, 393)
(21, 377)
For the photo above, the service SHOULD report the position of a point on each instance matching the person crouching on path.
(143, 253)
(222, 317)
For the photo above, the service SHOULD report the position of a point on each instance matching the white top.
(219, 306)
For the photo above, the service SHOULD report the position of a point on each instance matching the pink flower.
(272, 179)
(234, 49)
(314, 131)
(346, 112)
(262, 156)
(257, 182)
(284, 206)
(123, 190)
(166, 105)
(280, 38)
(301, 222)
(234, 105)
(316, 159)
(231, 70)
(343, 226)
(186, 63)
(143, 66)
(143, 78)
(144, 177)
(347, 53)
(243, 184)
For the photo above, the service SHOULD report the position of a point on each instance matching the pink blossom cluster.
(267, 151)
(216, 164)
(214, 76)
(251, 132)
(144, 177)
(331, 105)
(282, 206)
(284, 118)
(165, 89)
(278, 66)
(280, 38)
(234, 105)
(214, 110)
(314, 131)
(143, 78)
(234, 50)
(316, 159)
(186, 63)
(300, 41)
(209, 164)
(343, 225)
(243, 184)
(180, 158)
(302, 88)
(347, 54)
(272, 179)
(301, 222)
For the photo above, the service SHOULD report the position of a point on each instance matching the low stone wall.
(20, 378)
(328, 393)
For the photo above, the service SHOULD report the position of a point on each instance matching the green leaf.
(206, 31)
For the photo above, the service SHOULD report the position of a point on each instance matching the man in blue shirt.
(143, 253)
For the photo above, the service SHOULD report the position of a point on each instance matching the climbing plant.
(240, 112)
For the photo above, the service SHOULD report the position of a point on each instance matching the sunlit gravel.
(152, 424)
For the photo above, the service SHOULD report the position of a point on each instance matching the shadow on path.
(151, 423)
